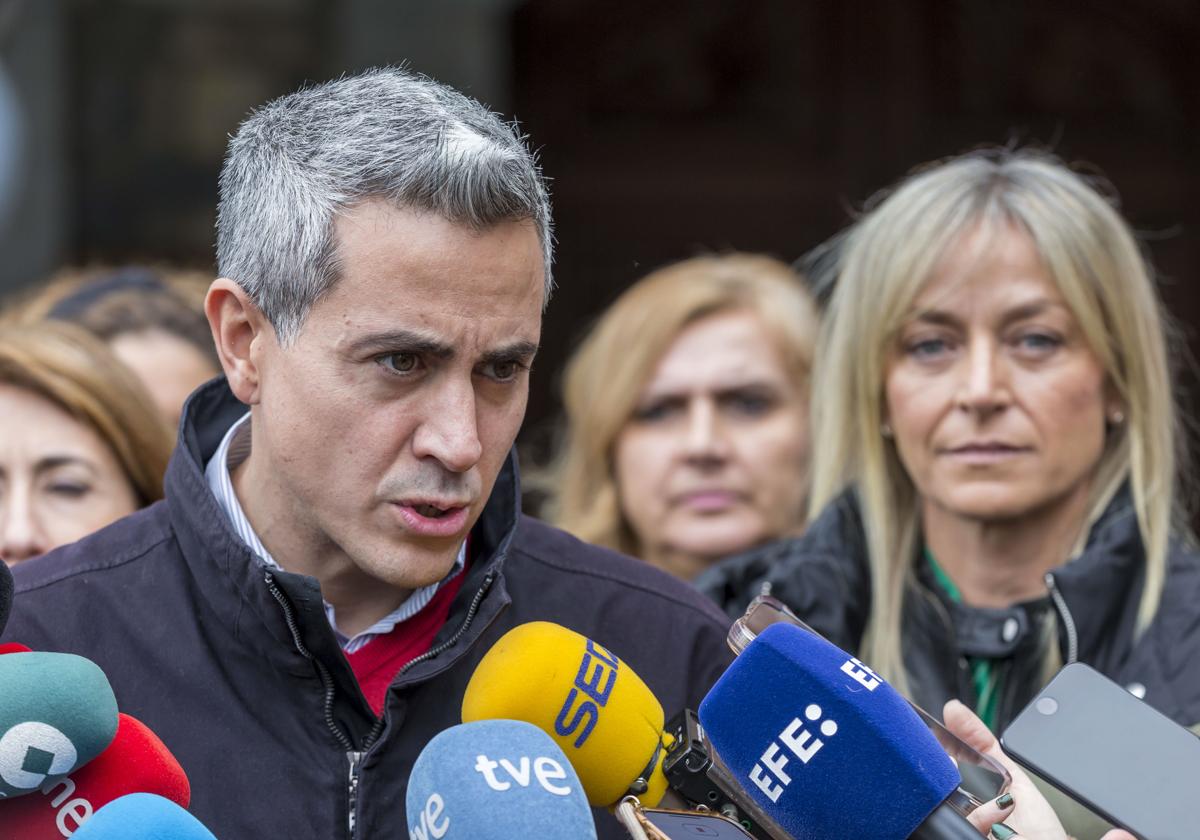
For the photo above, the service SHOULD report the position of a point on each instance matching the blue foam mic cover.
(142, 816)
(823, 745)
(499, 779)
(57, 713)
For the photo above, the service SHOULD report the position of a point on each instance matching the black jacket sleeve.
(822, 576)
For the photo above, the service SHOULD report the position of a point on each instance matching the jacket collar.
(233, 582)
(1100, 587)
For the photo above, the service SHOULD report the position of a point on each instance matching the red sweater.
(377, 662)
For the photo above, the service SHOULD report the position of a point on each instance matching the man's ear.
(239, 329)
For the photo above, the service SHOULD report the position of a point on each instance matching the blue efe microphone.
(500, 779)
(823, 745)
(142, 816)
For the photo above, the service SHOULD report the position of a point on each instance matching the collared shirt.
(234, 449)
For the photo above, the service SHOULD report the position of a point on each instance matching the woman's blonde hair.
(890, 253)
(606, 375)
(69, 367)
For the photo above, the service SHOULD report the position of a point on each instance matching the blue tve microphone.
(57, 713)
(500, 779)
(142, 816)
(824, 746)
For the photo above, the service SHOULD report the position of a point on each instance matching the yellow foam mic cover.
(609, 724)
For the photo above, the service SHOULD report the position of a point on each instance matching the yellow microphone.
(609, 724)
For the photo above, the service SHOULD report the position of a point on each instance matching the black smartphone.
(1102, 746)
(693, 825)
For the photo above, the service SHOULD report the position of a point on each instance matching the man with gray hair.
(341, 540)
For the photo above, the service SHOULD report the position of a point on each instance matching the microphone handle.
(945, 824)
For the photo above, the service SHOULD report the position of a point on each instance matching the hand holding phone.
(1112, 752)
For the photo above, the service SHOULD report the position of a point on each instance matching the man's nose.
(984, 388)
(450, 430)
(22, 534)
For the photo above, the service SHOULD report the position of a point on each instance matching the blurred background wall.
(668, 128)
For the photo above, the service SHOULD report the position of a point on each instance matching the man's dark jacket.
(824, 577)
(239, 673)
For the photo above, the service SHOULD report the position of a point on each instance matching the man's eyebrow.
(401, 341)
(518, 350)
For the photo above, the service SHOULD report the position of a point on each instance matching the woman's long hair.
(606, 375)
(1091, 255)
(71, 368)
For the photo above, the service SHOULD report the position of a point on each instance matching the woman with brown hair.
(687, 414)
(81, 443)
(151, 318)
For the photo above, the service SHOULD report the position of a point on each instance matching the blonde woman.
(81, 443)
(998, 447)
(998, 450)
(687, 427)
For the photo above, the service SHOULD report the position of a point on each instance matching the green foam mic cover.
(57, 713)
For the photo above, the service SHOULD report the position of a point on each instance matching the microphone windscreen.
(598, 711)
(824, 746)
(500, 779)
(136, 762)
(14, 647)
(6, 593)
(57, 713)
(142, 816)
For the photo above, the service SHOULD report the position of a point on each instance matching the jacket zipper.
(1060, 604)
(355, 757)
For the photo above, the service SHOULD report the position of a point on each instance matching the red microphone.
(135, 762)
(14, 647)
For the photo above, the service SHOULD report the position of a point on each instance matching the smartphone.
(1102, 746)
(695, 825)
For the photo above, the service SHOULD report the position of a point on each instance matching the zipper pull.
(1060, 603)
(354, 757)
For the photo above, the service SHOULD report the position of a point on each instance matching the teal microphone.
(57, 713)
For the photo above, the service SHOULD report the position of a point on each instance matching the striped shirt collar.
(234, 449)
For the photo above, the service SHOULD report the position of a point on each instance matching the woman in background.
(996, 478)
(81, 443)
(687, 429)
(151, 318)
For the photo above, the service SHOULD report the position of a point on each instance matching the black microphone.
(6, 594)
